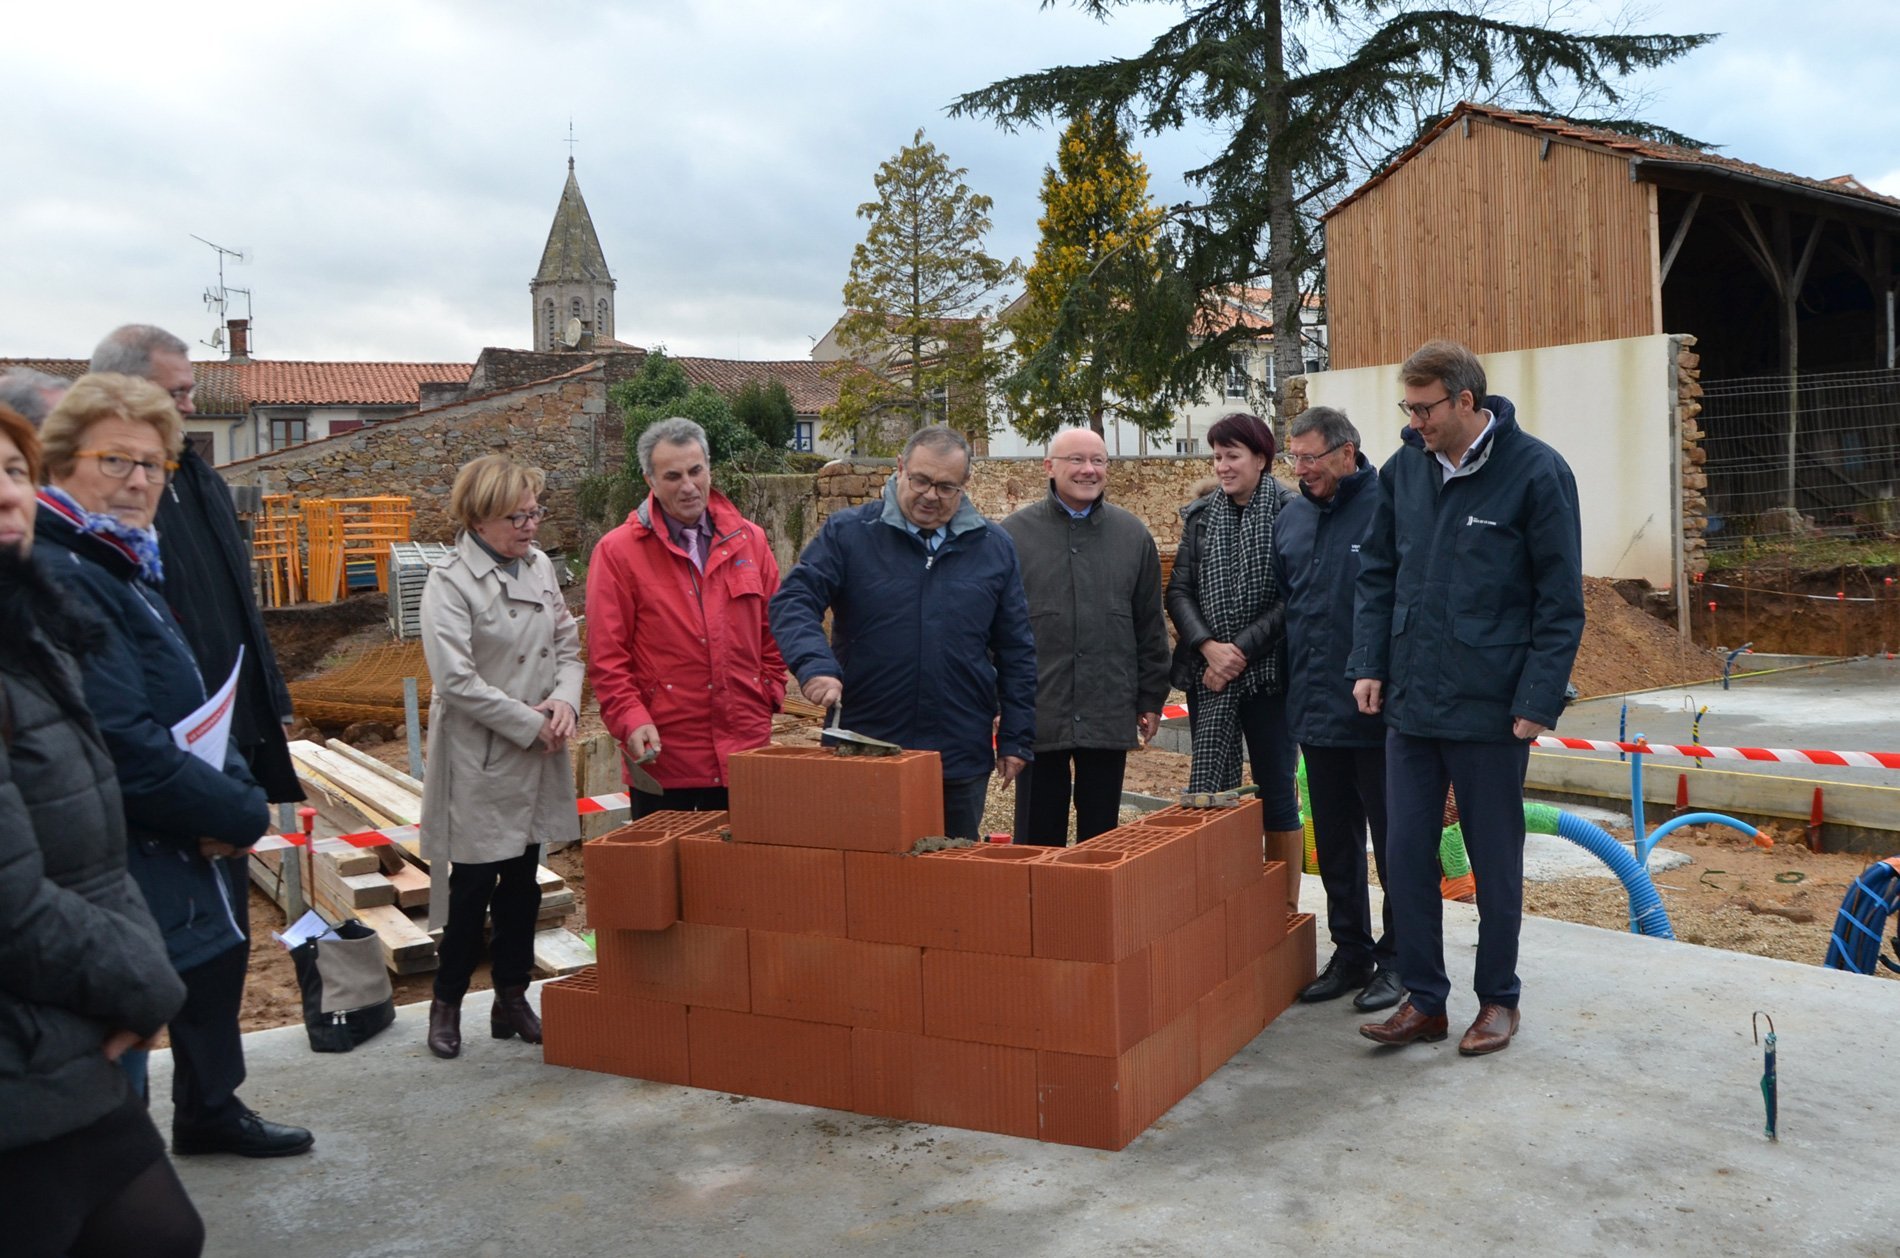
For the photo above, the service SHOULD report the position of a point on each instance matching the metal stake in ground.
(1767, 1070)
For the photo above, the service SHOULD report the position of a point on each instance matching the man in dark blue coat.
(1468, 616)
(1316, 556)
(930, 636)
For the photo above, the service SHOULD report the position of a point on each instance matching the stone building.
(572, 284)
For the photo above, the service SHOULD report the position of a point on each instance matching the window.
(1187, 445)
(204, 443)
(600, 320)
(574, 308)
(802, 436)
(1237, 374)
(287, 430)
(547, 311)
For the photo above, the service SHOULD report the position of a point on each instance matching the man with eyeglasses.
(678, 649)
(1316, 558)
(930, 640)
(1468, 616)
(207, 564)
(1093, 580)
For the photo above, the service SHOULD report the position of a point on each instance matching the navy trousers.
(1347, 788)
(1489, 781)
(963, 800)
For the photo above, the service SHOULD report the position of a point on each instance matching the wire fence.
(1809, 455)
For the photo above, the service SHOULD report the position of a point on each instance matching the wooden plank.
(389, 773)
(412, 886)
(376, 798)
(548, 880)
(597, 772)
(354, 891)
(559, 951)
(405, 944)
(345, 859)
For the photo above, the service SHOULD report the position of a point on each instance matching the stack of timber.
(386, 887)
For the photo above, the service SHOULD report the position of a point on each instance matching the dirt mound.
(1625, 648)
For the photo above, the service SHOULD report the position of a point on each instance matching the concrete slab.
(1626, 1118)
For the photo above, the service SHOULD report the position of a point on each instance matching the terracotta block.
(1101, 901)
(1230, 852)
(922, 1079)
(820, 978)
(1232, 1014)
(975, 898)
(1187, 963)
(1256, 917)
(1292, 964)
(1105, 1102)
(813, 797)
(589, 1030)
(686, 963)
(806, 1063)
(761, 885)
(633, 880)
(1036, 1002)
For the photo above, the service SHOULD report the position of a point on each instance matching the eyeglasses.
(1422, 410)
(941, 488)
(1308, 460)
(184, 393)
(118, 467)
(1097, 461)
(522, 519)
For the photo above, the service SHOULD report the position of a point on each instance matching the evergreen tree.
(765, 407)
(1243, 68)
(660, 390)
(1095, 258)
(916, 330)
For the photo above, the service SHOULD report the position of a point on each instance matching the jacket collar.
(1503, 426)
(728, 524)
(1060, 509)
(54, 526)
(967, 518)
(480, 562)
(1362, 474)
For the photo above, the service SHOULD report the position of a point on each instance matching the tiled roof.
(266, 383)
(217, 394)
(1629, 146)
(811, 388)
(572, 254)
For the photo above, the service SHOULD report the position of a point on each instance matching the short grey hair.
(1331, 424)
(27, 390)
(674, 431)
(941, 438)
(128, 350)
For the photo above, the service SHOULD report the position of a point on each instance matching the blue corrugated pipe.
(1647, 915)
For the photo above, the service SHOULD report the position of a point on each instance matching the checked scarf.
(1235, 583)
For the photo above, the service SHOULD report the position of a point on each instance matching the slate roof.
(572, 254)
(1629, 146)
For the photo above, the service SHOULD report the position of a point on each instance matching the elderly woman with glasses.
(1230, 620)
(505, 663)
(110, 446)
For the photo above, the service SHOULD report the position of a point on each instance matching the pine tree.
(1243, 68)
(1094, 263)
(917, 335)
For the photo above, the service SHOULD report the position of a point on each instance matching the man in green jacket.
(1093, 580)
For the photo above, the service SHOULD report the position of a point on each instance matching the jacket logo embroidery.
(1472, 519)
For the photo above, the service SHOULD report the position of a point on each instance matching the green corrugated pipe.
(1540, 819)
(1451, 852)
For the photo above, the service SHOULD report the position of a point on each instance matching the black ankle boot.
(511, 1014)
(445, 1028)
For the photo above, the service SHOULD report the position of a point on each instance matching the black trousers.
(963, 800)
(684, 799)
(1272, 754)
(1347, 788)
(1043, 792)
(1489, 780)
(507, 892)
(207, 1047)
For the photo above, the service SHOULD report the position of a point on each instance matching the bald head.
(1077, 467)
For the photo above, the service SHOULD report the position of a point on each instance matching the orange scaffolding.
(276, 550)
(340, 531)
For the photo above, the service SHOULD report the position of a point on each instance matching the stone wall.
(1695, 481)
(563, 426)
(786, 507)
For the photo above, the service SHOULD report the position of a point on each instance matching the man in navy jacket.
(1468, 616)
(1316, 557)
(930, 636)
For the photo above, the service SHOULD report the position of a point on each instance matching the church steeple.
(572, 281)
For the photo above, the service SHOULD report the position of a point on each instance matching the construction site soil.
(1774, 902)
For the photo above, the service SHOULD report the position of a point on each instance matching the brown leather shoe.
(1490, 1032)
(511, 1014)
(445, 1029)
(1407, 1026)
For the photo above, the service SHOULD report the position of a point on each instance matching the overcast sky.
(393, 167)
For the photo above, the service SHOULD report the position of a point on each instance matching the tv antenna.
(218, 299)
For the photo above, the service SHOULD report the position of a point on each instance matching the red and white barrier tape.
(585, 806)
(1775, 755)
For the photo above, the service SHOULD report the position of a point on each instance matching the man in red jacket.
(678, 650)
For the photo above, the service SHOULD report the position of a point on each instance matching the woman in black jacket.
(1230, 624)
(110, 445)
(83, 972)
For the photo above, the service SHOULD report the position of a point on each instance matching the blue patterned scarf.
(139, 545)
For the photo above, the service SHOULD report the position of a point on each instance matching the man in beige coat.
(505, 663)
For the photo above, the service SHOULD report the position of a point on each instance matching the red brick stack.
(797, 951)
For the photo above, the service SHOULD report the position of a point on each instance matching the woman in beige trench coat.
(505, 663)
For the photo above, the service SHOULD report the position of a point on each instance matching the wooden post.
(294, 904)
(412, 721)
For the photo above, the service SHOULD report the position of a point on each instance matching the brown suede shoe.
(511, 1014)
(1406, 1026)
(445, 1028)
(1490, 1032)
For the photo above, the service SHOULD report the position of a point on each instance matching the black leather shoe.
(1338, 978)
(1382, 992)
(251, 1136)
(445, 1028)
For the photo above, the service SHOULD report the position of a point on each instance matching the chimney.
(238, 338)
